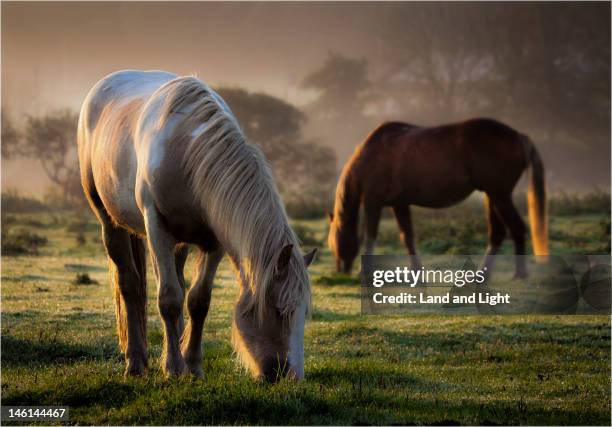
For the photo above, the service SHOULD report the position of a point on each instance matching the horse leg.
(170, 293)
(505, 208)
(404, 221)
(497, 234)
(180, 258)
(130, 293)
(198, 302)
(372, 219)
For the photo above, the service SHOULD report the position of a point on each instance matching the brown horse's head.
(268, 328)
(343, 243)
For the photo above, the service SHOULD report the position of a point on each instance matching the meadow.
(59, 344)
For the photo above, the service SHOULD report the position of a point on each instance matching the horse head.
(268, 327)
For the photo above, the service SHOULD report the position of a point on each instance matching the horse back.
(106, 141)
(436, 166)
(495, 154)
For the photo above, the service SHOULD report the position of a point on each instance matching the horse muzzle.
(273, 371)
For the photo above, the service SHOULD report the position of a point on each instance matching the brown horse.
(400, 165)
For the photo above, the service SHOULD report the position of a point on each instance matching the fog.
(541, 68)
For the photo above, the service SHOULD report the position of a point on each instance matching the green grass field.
(59, 345)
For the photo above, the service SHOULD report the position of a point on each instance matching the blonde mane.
(236, 192)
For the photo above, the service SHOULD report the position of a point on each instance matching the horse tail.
(137, 249)
(120, 309)
(536, 200)
(140, 261)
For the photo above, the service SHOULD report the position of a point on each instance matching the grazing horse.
(164, 164)
(400, 165)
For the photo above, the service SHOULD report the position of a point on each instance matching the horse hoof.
(134, 370)
(196, 372)
(176, 370)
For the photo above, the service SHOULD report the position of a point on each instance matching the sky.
(53, 52)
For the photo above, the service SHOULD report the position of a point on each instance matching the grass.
(59, 344)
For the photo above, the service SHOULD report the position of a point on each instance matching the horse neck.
(256, 236)
(260, 243)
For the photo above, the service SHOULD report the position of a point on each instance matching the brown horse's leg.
(497, 234)
(180, 258)
(404, 221)
(131, 296)
(198, 302)
(505, 208)
(372, 219)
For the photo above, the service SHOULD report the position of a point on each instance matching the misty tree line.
(544, 68)
(305, 170)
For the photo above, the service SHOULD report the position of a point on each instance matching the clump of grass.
(595, 202)
(80, 239)
(389, 237)
(457, 235)
(77, 227)
(306, 207)
(605, 228)
(23, 242)
(306, 235)
(84, 279)
(14, 202)
(337, 279)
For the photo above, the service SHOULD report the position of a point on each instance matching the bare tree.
(305, 170)
(432, 50)
(344, 92)
(10, 137)
(342, 85)
(51, 140)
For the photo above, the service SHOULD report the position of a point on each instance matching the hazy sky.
(53, 52)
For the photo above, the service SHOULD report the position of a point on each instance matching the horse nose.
(275, 369)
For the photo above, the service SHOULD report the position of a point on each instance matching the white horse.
(163, 159)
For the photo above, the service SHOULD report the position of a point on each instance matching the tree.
(430, 51)
(305, 171)
(541, 67)
(342, 84)
(344, 92)
(51, 139)
(10, 137)
(269, 122)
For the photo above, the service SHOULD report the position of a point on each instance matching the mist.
(543, 68)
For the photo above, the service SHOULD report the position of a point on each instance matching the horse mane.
(348, 190)
(237, 193)
(347, 200)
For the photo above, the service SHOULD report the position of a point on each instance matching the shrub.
(306, 208)
(22, 243)
(13, 202)
(306, 235)
(337, 279)
(595, 202)
(84, 279)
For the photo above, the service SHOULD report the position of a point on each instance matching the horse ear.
(284, 257)
(309, 257)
